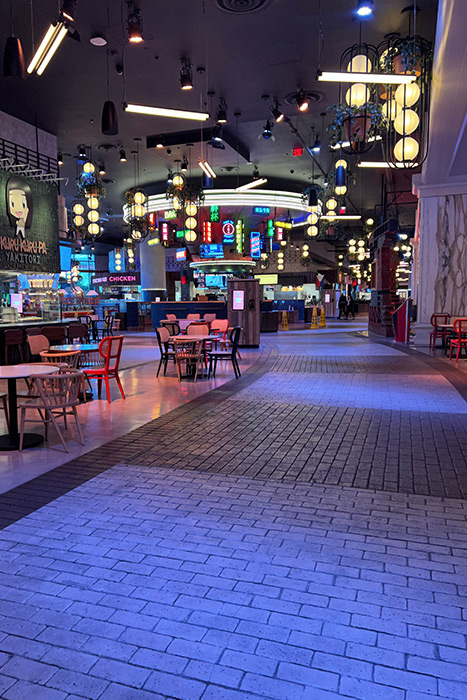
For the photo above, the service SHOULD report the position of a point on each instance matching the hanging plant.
(406, 56)
(187, 193)
(355, 124)
(91, 186)
(305, 260)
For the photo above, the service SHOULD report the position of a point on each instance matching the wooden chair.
(197, 329)
(37, 343)
(56, 335)
(163, 337)
(219, 327)
(110, 349)
(69, 358)
(57, 397)
(4, 400)
(190, 353)
(459, 342)
(107, 329)
(437, 320)
(209, 318)
(193, 317)
(172, 327)
(13, 341)
(171, 317)
(230, 355)
(78, 331)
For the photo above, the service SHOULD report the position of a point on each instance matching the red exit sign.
(297, 151)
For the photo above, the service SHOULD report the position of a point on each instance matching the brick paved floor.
(285, 537)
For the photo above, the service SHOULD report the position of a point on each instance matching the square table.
(10, 441)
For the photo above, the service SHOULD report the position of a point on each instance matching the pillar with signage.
(153, 281)
(243, 302)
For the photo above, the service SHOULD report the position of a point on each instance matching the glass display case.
(29, 297)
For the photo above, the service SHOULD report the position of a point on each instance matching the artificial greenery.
(91, 186)
(344, 113)
(186, 193)
(412, 50)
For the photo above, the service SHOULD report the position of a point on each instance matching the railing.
(26, 161)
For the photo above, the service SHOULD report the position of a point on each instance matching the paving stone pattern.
(156, 584)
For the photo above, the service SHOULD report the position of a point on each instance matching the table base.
(8, 444)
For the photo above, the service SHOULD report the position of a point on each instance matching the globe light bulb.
(359, 64)
(407, 95)
(406, 122)
(406, 149)
(357, 95)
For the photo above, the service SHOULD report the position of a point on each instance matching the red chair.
(437, 332)
(110, 349)
(460, 330)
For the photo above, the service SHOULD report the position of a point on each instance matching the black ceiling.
(245, 55)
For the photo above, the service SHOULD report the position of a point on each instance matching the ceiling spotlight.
(222, 112)
(134, 24)
(186, 76)
(68, 10)
(59, 158)
(276, 113)
(170, 177)
(256, 174)
(317, 145)
(365, 8)
(122, 155)
(184, 165)
(160, 142)
(302, 100)
(82, 157)
(101, 168)
(98, 40)
(267, 131)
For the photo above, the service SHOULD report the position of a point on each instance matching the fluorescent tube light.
(164, 112)
(48, 46)
(206, 168)
(350, 77)
(345, 144)
(250, 185)
(384, 164)
(347, 217)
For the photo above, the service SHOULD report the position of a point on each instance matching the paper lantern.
(341, 163)
(93, 203)
(78, 220)
(78, 208)
(357, 95)
(178, 180)
(191, 209)
(139, 197)
(331, 203)
(390, 110)
(138, 211)
(406, 149)
(312, 231)
(93, 229)
(89, 168)
(136, 235)
(406, 122)
(407, 95)
(176, 203)
(190, 222)
(359, 64)
(93, 215)
(340, 190)
(190, 236)
(312, 218)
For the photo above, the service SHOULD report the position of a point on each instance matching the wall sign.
(239, 236)
(28, 225)
(170, 214)
(215, 214)
(180, 254)
(255, 244)
(228, 231)
(261, 210)
(207, 232)
(117, 278)
(238, 300)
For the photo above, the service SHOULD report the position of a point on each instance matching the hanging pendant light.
(13, 59)
(109, 124)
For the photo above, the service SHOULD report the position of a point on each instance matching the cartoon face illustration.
(19, 202)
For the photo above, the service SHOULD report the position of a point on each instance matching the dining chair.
(107, 329)
(436, 320)
(193, 317)
(163, 338)
(197, 329)
(171, 317)
(57, 397)
(459, 340)
(78, 331)
(4, 400)
(219, 327)
(209, 318)
(61, 357)
(172, 327)
(230, 355)
(13, 341)
(110, 348)
(37, 343)
(190, 353)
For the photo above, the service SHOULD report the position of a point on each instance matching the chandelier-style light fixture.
(137, 202)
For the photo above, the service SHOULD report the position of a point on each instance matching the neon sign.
(152, 220)
(207, 232)
(261, 210)
(180, 254)
(215, 214)
(228, 231)
(255, 244)
(283, 224)
(280, 234)
(170, 214)
(270, 228)
(239, 236)
(165, 232)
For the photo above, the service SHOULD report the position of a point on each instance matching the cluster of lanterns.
(312, 220)
(118, 260)
(400, 110)
(358, 94)
(305, 250)
(137, 202)
(280, 260)
(72, 276)
(357, 248)
(130, 252)
(191, 211)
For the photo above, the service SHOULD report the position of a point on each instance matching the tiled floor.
(274, 539)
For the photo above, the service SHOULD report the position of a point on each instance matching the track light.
(206, 168)
(160, 142)
(13, 59)
(170, 177)
(302, 100)
(82, 157)
(68, 10)
(365, 8)
(267, 130)
(101, 168)
(48, 46)
(276, 113)
(184, 165)
(222, 112)
(134, 24)
(317, 145)
(59, 158)
(256, 174)
(256, 182)
(165, 112)
(186, 76)
(122, 155)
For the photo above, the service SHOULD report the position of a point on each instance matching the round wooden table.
(82, 347)
(10, 441)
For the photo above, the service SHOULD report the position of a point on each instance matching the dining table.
(10, 440)
(84, 349)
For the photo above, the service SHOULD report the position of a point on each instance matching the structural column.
(153, 282)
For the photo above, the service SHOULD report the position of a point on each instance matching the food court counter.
(23, 326)
(181, 309)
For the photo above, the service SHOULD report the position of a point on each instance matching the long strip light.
(383, 164)
(345, 144)
(48, 46)
(165, 112)
(254, 183)
(347, 217)
(350, 77)
(206, 168)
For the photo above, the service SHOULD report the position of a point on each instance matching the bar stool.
(13, 339)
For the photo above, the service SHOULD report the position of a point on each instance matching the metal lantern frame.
(359, 132)
(418, 62)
